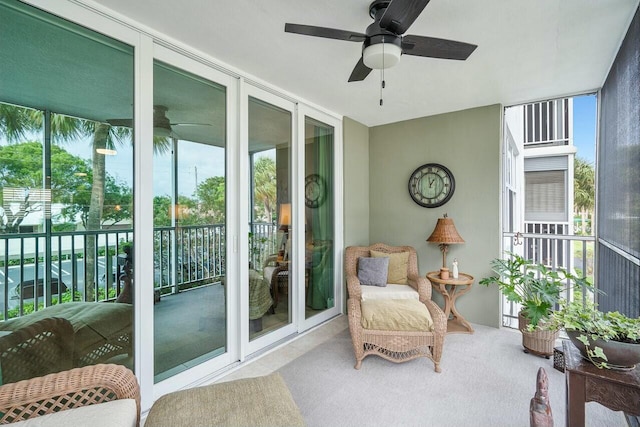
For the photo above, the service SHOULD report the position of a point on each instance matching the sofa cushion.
(396, 315)
(391, 291)
(373, 271)
(260, 401)
(116, 413)
(398, 265)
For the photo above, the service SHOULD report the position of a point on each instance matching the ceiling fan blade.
(436, 48)
(360, 72)
(121, 122)
(191, 124)
(400, 14)
(329, 33)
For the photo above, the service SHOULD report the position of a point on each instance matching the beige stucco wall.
(356, 183)
(468, 143)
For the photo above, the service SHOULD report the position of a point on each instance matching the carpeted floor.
(486, 380)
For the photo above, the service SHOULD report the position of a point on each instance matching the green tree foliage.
(162, 211)
(71, 177)
(210, 206)
(584, 191)
(264, 175)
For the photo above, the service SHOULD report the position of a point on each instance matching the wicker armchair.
(66, 390)
(395, 346)
(44, 347)
(277, 274)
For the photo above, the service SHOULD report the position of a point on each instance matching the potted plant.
(609, 340)
(538, 289)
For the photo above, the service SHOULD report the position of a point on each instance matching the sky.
(584, 126)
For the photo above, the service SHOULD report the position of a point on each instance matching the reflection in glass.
(66, 193)
(189, 220)
(270, 216)
(319, 234)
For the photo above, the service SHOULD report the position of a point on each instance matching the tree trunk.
(94, 216)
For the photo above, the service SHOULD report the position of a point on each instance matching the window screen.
(545, 196)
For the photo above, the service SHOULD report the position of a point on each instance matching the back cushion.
(373, 271)
(398, 265)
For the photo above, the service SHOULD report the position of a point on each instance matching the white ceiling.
(527, 50)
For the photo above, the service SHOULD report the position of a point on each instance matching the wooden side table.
(617, 390)
(451, 289)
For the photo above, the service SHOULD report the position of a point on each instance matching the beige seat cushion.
(398, 265)
(396, 315)
(116, 413)
(388, 292)
(260, 401)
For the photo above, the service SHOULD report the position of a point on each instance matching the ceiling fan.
(162, 126)
(383, 41)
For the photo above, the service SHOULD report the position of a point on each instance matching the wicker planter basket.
(540, 342)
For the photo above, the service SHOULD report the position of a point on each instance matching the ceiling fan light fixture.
(381, 55)
(106, 152)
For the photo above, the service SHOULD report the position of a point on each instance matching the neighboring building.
(540, 149)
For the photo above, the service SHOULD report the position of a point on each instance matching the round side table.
(451, 289)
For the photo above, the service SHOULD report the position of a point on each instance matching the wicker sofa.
(101, 329)
(71, 398)
(393, 345)
(40, 348)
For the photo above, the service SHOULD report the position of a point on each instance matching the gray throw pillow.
(373, 271)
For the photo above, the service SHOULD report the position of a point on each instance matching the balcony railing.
(88, 265)
(73, 264)
(572, 253)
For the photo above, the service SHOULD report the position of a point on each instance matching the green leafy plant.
(536, 287)
(257, 245)
(593, 324)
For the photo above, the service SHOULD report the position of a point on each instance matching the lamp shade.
(284, 216)
(445, 232)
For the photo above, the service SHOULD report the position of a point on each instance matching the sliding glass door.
(319, 216)
(267, 290)
(66, 195)
(189, 214)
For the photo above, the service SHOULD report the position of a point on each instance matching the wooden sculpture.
(540, 409)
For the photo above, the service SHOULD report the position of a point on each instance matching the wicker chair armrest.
(66, 390)
(353, 287)
(274, 274)
(438, 317)
(354, 310)
(271, 260)
(422, 285)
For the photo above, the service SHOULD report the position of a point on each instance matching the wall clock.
(431, 185)
(314, 191)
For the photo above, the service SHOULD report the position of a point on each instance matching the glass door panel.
(66, 193)
(319, 217)
(270, 218)
(189, 173)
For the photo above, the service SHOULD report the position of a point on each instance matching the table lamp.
(445, 234)
(284, 218)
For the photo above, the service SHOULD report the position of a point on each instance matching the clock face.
(431, 185)
(314, 191)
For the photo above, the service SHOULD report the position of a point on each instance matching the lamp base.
(444, 273)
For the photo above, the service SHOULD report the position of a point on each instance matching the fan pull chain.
(382, 84)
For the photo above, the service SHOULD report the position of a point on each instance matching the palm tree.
(264, 175)
(584, 190)
(16, 122)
